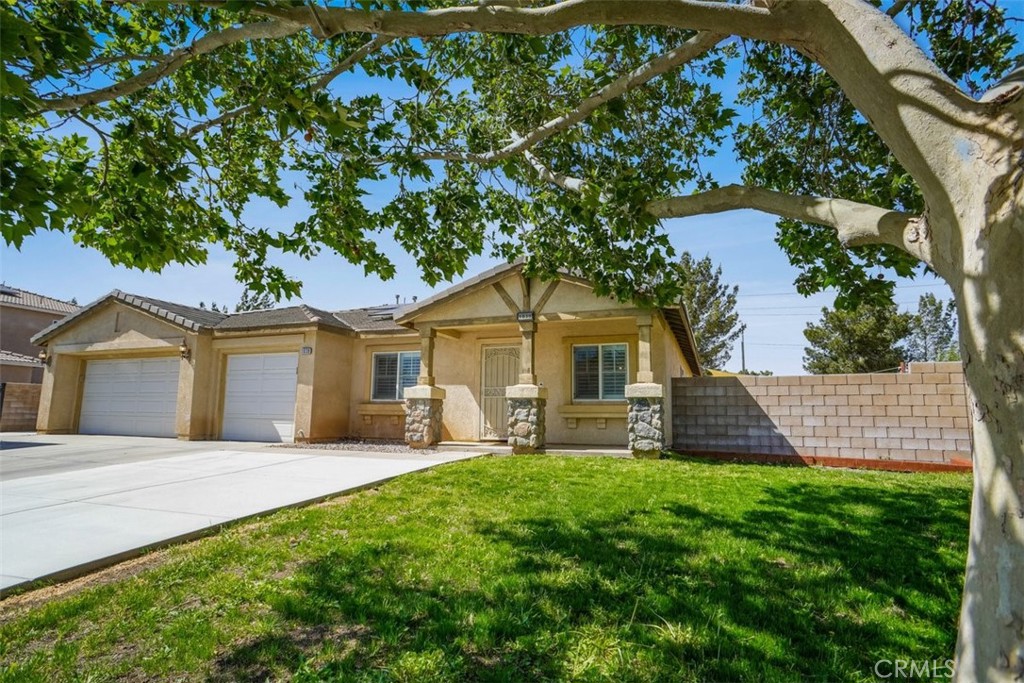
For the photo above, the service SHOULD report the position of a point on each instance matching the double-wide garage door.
(259, 399)
(131, 397)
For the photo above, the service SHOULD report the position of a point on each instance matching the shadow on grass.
(806, 582)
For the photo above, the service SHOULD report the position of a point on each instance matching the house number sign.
(524, 316)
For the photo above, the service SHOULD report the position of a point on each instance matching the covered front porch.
(514, 361)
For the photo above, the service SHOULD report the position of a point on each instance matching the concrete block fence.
(19, 407)
(914, 420)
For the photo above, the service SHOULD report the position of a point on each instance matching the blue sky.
(742, 242)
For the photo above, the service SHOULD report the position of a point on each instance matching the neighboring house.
(23, 314)
(128, 364)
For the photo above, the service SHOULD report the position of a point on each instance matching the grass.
(538, 568)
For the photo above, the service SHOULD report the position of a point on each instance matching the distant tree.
(712, 309)
(764, 373)
(254, 301)
(866, 339)
(934, 333)
(74, 301)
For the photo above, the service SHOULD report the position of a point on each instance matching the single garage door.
(131, 397)
(259, 399)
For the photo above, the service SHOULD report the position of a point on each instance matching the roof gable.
(572, 294)
(187, 318)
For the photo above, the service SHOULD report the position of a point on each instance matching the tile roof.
(12, 296)
(188, 317)
(12, 358)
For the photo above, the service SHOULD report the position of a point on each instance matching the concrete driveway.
(69, 504)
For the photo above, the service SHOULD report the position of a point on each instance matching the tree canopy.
(933, 332)
(711, 305)
(867, 339)
(150, 131)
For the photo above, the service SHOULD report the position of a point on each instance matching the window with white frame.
(392, 373)
(599, 372)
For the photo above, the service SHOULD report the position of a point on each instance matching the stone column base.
(645, 420)
(526, 407)
(424, 407)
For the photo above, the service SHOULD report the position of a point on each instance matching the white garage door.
(259, 400)
(133, 397)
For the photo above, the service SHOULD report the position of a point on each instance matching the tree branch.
(856, 224)
(358, 55)
(879, 67)
(690, 50)
(558, 179)
(171, 62)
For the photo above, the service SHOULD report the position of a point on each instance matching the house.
(23, 314)
(497, 357)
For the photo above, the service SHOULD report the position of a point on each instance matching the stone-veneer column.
(526, 430)
(423, 413)
(646, 419)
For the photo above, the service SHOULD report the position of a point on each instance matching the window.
(599, 372)
(392, 373)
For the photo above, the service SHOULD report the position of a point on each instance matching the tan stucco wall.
(110, 331)
(381, 419)
(486, 302)
(331, 404)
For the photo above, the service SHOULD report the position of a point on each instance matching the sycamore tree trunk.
(989, 293)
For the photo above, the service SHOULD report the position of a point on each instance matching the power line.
(815, 307)
(919, 286)
(799, 346)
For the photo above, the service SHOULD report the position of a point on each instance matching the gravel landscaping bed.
(366, 445)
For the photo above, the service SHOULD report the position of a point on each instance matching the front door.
(500, 370)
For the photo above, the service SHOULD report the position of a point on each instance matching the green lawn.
(538, 568)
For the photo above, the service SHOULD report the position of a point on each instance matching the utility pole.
(743, 350)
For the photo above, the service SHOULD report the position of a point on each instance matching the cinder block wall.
(920, 416)
(21, 403)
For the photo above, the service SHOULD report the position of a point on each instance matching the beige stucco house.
(498, 357)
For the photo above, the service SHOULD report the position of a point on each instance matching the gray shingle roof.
(13, 296)
(280, 317)
(375, 319)
(12, 358)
